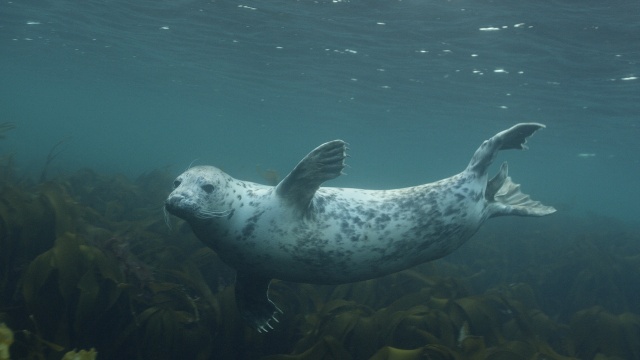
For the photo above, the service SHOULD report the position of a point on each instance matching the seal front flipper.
(324, 163)
(253, 301)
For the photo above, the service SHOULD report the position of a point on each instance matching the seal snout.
(179, 205)
(170, 205)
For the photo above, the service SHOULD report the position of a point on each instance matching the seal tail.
(502, 194)
(505, 198)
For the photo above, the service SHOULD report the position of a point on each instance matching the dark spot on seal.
(248, 229)
(450, 210)
(319, 204)
(382, 221)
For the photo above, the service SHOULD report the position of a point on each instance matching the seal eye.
(208, 188)
(176, 183)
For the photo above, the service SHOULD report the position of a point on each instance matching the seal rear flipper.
(513, 138)
(509, 200)
(252, 299)
(324, 163)
(494, 185)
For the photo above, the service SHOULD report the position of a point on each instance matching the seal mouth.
(191, 211)
(179, 211)
(180, 207)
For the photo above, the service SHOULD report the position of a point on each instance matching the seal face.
(302, 232)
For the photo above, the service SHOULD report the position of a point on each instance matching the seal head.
(198, 198)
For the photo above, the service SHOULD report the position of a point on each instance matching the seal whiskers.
(166, 218)
(208, 214)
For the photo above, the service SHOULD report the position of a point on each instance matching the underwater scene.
(109, 111)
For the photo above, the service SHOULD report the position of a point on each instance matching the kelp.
(90, 354)
(270, 176)
(70, 289)
(6, 160)
(52, 155)
(6, 339)
(391, 353)
(70, 281)
(327, 348)
(27, 228)
(492, 326)
(87, 261)
(4, 127)
(595, 331)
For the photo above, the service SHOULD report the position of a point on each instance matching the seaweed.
(87, 262)
(52, 155)
(6, 161)
(270, 176)
(91, 354)
(6, 339)
(4, 127)
(597, 332)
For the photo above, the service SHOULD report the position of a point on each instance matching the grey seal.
(299, 231)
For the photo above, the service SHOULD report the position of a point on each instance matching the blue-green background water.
(413, 86)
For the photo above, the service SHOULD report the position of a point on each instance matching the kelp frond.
(53, 153)
(6, 126)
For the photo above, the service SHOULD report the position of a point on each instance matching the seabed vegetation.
(89, 269)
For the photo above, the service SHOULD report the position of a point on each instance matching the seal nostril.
(208, 188)
(176, 183)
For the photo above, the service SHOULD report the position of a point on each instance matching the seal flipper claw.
(253, 301)
(324, 163)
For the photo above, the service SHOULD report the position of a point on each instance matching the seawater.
(413, 86)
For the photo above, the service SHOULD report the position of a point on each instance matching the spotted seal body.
(301, 232)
